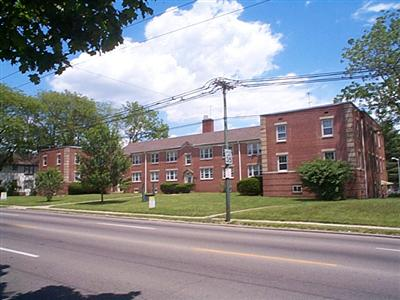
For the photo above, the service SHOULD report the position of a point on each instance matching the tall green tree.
(49, 182)
(19, 130)
(378, 52)
(141, 124)
(392, 149)
(66, 117)
(41, 36)
(104, 162)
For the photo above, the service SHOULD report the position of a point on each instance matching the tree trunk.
(102, 197)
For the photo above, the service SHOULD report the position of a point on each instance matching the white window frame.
(297, 189)
(325, 151)
(136, 159)
(251, 151)
(58, 159)
(277, 132)
(232, 172)
(77, 176)
(206, 153)
(203, 173)
(153, 156)
(278, 155)
(154, 178)
(172, 156)
(136, 176)
(44, 160)
(168, 174)
(253, 169)
(322, 120)
(188, 155)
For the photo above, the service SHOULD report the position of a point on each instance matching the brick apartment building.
(275, 149)
(65, 159)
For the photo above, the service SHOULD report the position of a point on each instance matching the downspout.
(145, 173)
(240, 162)
(364, 160)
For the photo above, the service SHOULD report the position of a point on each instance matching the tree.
(19, 132)
(41, 35)
(66, 117)
(103, 163)
(378, 52)
(325, 178)
(392, 149)
(141, 124)
(49, 182)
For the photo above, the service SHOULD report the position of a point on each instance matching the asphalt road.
(46, 255)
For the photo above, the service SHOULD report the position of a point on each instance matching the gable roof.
(209, 138)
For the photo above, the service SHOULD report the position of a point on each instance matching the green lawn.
(379, 212)
(193, 204)
(39, 200)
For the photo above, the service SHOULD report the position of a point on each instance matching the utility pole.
(228, 153)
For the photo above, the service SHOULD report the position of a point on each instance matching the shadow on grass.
(104, 202)
(319, 200)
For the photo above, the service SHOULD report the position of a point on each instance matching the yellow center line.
(277, 258)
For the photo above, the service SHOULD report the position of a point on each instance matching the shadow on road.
(53, 292)
(62, 292)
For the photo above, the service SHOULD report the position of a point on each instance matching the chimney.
(208, 124)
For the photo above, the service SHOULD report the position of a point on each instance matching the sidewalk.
(212, 218)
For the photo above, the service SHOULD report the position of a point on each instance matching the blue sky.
(275, 38)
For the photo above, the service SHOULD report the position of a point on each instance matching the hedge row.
(77, 188)
(176, 188)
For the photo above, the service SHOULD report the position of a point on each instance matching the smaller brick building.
(65, 159)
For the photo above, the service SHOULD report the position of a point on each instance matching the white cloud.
(371, 7)
(307, 3)
(185, 60)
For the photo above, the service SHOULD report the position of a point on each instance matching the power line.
(162, 35)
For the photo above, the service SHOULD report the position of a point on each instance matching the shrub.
(249, 186)
(394, 195)
(175, 188)
(77, 188)
(168, 188)
(49, 182)
(184, 188)
(325, 178)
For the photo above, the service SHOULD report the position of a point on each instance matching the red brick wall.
(217, 163)
(67, 166)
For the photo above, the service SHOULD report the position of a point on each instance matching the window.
(28, 170)
(206, 173)
(297, 189)
(136, 176)
(206, 153)
(230, 172)
(281, 132)
(253, 170)
(172, 156)
(58, 159)
(136, 159)
(77, 159)
(154, 158)
(282, 161)
(188, 159)
(329, 155)
(44, 160)
(253, 149)
(171, 175)
(327, 127)
(154, 176)
(77, 176)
